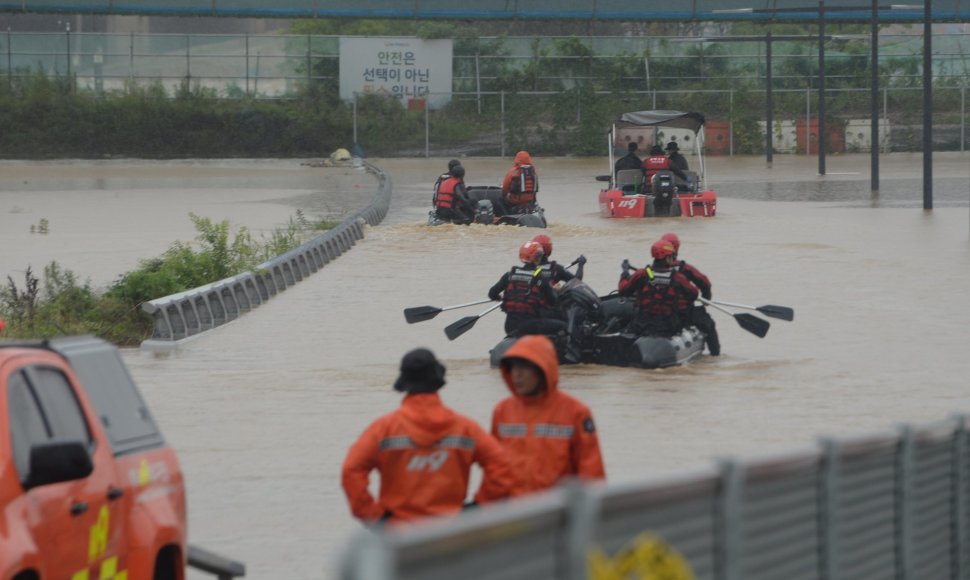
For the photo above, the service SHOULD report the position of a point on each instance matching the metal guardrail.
(884, 505)
(179, 316)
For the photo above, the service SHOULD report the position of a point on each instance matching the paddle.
(604, 177)
(422, 313)
(782, 312)
(456, 329)
(756, 326)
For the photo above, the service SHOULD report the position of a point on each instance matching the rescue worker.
(678, 164)
(527, 296)
(520, 186)
(451, 201)
(699, 316)
(423, 453)
(628, 161)
(547, 434)
(451, 165)
(557, 272)
(660, 292)
(657, 161)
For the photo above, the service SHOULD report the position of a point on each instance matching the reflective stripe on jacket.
(423, 452)
(550, 436)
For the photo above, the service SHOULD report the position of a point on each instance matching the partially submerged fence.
(181, 315)
(884, 505)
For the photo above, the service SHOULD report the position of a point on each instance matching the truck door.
(77, 525)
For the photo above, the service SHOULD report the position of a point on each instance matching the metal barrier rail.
(179, 316)
(884, 505)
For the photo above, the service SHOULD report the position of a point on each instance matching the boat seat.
(629, 181)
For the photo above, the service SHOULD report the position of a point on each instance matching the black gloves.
(626, 269)
(581, 260)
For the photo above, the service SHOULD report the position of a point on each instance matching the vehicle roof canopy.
(679, 119)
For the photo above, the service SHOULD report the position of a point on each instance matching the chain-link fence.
(551, 95)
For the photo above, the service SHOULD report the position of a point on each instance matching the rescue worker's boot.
(713, 343)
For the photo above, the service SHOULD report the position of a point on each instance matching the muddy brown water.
(262, 410)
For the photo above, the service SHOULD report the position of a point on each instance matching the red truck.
(88, 488)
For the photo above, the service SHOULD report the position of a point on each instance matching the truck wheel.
(166, 567)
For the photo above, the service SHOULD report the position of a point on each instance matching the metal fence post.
(731, 125)
(828, 511)
(247, 65)
(960, 517)
(354, 115)
(963, 117)
(308, 61)
(502, 121)
(728, 535)
(9, 62)
(188, 62)
(808, 120)
(904, 504)
(427, 129)
(478, 84)
(131, 61)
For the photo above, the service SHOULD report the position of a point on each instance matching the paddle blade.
(782, 312)
(420, 313)
(756, 326)
(604, 177)
(456, 329)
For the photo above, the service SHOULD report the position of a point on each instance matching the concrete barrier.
(180, 316)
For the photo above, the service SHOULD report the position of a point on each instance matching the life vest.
(437, 185)
(445, 197)
(653, 164)
(524, 186)
(657, 295)
(522, 294)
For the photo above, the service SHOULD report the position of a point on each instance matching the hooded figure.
(423, 452)
(548, 434)
(521, 183)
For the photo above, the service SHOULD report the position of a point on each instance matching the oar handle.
(456, 306)
(709, 303)
(734, 305)
(490, 308)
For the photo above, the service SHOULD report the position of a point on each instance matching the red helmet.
(661, 249)
(531, 252)
(673, 239)
(546, 243)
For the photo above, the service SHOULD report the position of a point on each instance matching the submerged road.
(261, 411)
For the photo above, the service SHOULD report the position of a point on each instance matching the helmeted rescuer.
(699, 316)
(521, 184)
(655, 162)
(451, 200)
(527, 296)
(555, 271)
(548, 434)
(423, 452)
(451, 165)
(660, 291)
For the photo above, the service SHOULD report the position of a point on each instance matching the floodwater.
(261, 411)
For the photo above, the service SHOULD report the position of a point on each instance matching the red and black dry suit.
(528, 300)
(451, 201)
(660, 292)
(699, 316)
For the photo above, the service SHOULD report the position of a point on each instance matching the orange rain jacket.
(550, 436)
(423, 452)
(522, 158)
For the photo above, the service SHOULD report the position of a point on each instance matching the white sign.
(410, 69)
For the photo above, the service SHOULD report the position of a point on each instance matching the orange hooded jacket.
(423, 452)
(549, 436)
(522, 158)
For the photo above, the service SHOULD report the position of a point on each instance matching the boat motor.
(485, 212)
